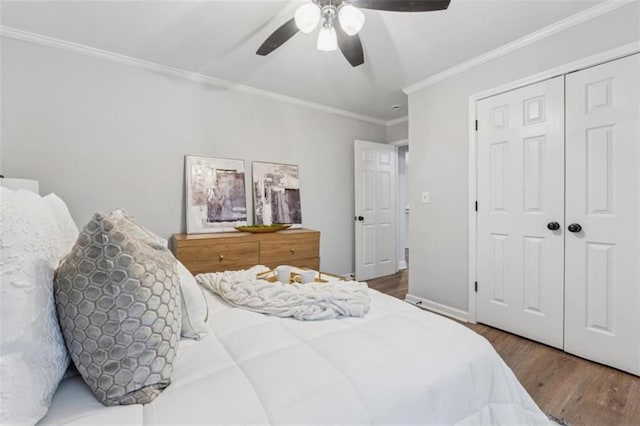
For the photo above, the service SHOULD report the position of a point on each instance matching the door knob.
(574, 227)
(553, 226)
(359, 218)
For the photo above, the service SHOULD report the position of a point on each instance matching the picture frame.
(215, 194)
(276, 194)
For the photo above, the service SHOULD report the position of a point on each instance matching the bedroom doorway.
(375, 209)
(397, 285)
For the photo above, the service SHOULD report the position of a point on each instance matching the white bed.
(397, 365)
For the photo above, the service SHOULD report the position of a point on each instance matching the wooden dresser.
(202, 253)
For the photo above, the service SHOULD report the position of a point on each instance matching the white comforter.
(305, 302)
(397, 365)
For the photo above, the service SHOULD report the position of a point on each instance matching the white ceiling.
(219, 39)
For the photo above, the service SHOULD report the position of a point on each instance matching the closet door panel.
(521, 191)
(602, 285)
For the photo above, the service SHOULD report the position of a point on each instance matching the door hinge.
(476, 206)
(476, 125)
(476, 286)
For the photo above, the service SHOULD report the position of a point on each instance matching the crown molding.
(397, 121)
(82, 49)
(535, 36)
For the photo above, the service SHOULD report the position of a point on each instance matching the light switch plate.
(425, 197)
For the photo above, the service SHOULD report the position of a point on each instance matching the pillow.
(142, 233)
(194, 305)
(33, 357)
(118, 302)
(67, 229)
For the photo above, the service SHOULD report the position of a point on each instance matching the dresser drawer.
(290, 249)
(202, 253)
(219, 257)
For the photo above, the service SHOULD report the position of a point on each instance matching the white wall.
(103, 135)
(398, 131)
(438, 136)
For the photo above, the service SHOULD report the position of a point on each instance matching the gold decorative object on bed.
(271, 276)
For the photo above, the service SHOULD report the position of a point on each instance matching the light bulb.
(351, 19)
(327, 39)
(307, 17)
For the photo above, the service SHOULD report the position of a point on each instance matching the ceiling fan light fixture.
(327, 39)
(351, 19)
(351, 22)
(307, 17)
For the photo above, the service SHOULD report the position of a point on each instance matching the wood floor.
(574, 390)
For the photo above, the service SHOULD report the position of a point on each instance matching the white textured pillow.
(194, 305)
(152, 237)
(67, 228)
(33, 357)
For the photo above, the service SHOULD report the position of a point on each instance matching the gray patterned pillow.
(118, 303)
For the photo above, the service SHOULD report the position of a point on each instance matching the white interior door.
(602, 320)
(375, 209)
(520, 196)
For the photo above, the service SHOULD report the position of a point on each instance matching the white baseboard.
(438, 308)
(402, 265)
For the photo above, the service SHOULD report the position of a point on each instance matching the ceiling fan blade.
(401, 5)
(278, 37)
(351, 47)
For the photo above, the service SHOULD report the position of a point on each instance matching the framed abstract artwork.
(276, 194)
(215, 194)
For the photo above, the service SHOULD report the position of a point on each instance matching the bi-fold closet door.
(602, 260)
(558, 243)
(520, 197)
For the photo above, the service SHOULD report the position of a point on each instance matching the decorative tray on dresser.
(227, 251)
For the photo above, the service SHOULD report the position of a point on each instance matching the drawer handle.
(221, 257)
(293, 251)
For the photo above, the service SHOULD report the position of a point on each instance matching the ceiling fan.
(341, 21)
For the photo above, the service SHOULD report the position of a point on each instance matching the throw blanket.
(313, 301)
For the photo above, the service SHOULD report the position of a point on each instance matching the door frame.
(401, 260)
(590, 61)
